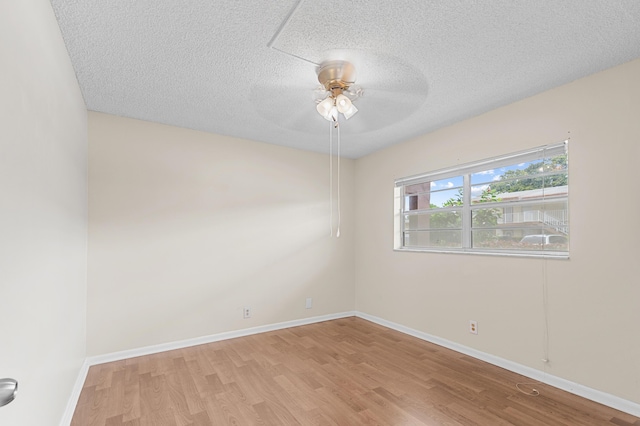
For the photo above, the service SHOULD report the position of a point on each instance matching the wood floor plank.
(187, 387)
(236, 409)
(342, 372)
(386, 411)
(178, 400)
(92, 407)
(201, 419)
(287, 386)
(291, 405)
(215, 411)
(131, 401)
(115, 403)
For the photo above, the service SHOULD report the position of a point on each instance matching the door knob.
(8, 391)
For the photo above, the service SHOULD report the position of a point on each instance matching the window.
(512, 204)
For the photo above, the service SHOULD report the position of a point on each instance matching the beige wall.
(186, 228)
(43, 214)
(593, 298)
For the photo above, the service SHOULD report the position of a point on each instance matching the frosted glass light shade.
(350, 112)
(324, 107)
(343, 103)
(333, 114)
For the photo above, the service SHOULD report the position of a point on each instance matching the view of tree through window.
(509, 203)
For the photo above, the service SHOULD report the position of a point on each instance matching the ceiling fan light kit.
(337, 78)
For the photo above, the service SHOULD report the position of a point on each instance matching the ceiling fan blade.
(293, 108)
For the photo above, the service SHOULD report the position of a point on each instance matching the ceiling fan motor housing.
(336, 76)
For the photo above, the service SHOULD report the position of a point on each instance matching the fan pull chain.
(339, 218)
(330, 179)
(334, 125)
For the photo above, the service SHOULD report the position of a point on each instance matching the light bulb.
(343, 103)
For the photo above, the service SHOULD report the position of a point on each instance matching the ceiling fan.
(337, 91)
(385, 91)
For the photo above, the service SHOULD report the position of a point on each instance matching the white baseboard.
(560, 383)
(148, 350)
(75, 395)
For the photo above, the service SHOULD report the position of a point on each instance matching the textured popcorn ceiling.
(205, 64)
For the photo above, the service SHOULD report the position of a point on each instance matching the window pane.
(554, 212)
(488, 238)
(439, 193)
(552, 215)
(440, 238)
(448, 219)
(528, 168)
(436, 185)
(524, 176)
(452, 182)
(509, 239)
(417, 202)
(545, 242)
(417, 188)
(520, 226)
(484, 194)
(488, 176)
(487, 217)
(447, 198)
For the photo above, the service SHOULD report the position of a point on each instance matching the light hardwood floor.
(343, 372)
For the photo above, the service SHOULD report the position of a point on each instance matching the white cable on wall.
(545, 304)
(545, 333)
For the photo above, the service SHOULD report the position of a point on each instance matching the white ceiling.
(423, 64)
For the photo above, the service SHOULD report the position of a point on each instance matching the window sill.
(529, 254)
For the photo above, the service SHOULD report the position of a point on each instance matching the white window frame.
(466, 170)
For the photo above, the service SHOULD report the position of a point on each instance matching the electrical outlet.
(309, 303)
(473, 327)
(246, 312)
